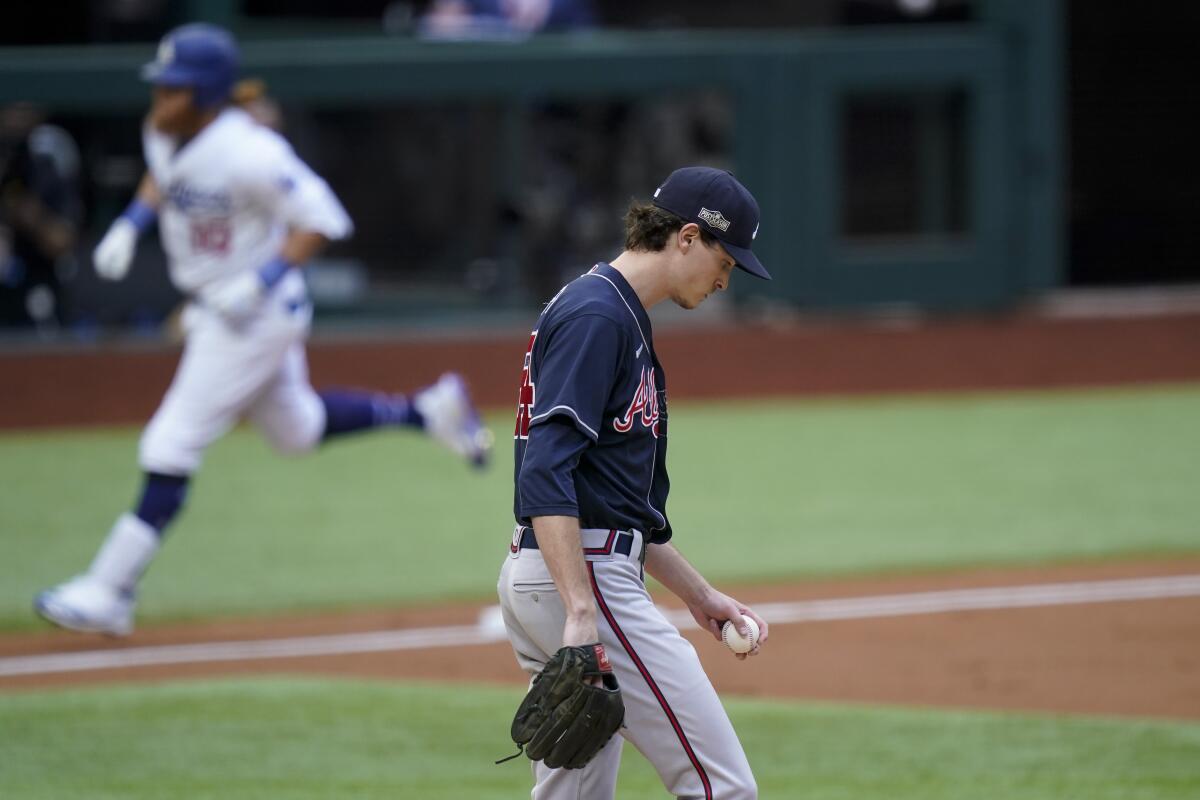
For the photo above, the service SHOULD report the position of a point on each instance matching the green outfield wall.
(988, 224)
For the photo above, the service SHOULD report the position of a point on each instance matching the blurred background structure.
(933, 155)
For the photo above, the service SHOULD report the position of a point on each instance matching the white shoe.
(451, 418)
(88, 605)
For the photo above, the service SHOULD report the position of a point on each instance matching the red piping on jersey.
(662, 700)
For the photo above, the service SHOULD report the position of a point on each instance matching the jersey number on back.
(525, 398)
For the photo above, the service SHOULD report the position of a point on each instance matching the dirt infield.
(1135, 657)
(112, 385)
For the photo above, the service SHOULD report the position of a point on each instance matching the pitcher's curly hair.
(647, 228)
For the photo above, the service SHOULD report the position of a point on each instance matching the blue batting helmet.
(199, 56)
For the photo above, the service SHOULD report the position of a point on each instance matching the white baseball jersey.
(229, 196)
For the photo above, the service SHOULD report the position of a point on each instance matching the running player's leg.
(295, 418)
(220, 374)
(442, 409)
(290, 415)
(353, 410)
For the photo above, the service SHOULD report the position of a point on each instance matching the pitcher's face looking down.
(700, 269)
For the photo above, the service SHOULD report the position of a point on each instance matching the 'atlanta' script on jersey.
(644, 404)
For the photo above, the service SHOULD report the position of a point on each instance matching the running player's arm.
(709, 607)
(312, 212)
(299, 197)
(148, 193)
(295, 194)
(302, 245)
(114, 253)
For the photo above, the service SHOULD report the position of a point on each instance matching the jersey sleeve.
(280, 181)
(546, 483)
(576, 371)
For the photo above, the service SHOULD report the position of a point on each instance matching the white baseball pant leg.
(288, 413)
(673, 715)
(222, 374)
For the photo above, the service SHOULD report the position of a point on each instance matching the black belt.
(621, 542)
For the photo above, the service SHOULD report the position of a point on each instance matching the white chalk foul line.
(1051, 594)
(338, 644)
(1046, 594)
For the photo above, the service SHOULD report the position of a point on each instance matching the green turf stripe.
(289, 738)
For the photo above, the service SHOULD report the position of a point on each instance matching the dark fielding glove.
(564, 720)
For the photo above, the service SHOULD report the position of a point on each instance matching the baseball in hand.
(735, 641)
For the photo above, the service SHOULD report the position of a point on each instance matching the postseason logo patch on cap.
(714, 218)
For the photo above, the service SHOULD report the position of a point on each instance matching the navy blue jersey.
(591, 433)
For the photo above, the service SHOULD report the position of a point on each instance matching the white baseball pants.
(257, 371)
(673, 715)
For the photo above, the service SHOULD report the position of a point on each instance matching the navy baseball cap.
(719, 204)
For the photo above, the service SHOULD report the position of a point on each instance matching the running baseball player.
(237, 212)
(590, 502)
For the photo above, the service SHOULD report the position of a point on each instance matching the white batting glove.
(114, 254)
(238, 299)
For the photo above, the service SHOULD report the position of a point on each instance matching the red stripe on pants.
(662, 700)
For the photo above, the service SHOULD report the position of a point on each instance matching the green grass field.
(760, 491)
(288, 738)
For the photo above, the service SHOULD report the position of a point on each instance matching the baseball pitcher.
(590, 502)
